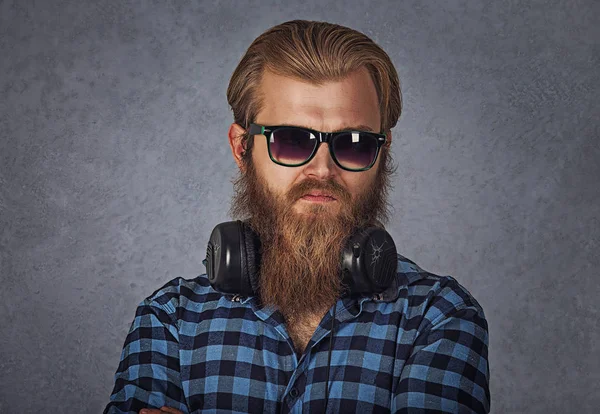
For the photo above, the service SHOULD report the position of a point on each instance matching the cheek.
(358, 185)
(277, 178)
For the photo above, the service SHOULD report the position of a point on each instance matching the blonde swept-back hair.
(315, 52)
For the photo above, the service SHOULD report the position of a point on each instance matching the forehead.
(345, 103)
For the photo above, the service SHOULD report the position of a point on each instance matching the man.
(420, 345)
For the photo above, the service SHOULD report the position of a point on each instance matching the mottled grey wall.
(115, 167)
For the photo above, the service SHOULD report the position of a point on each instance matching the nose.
(322, 165)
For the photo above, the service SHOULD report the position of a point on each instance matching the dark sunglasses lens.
(292, 146)
(355, 150)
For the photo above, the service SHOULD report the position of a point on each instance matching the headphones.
(368, 261)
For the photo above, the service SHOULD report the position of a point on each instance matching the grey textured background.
(115, 167)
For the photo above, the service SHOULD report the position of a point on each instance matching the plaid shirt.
(421, 346)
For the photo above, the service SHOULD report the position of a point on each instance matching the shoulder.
(179, 296)
(431, 296)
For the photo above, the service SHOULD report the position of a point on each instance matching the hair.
(315, 52)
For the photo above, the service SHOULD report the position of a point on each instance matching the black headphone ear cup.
(251, 252)
(226, 261)
(369, 261)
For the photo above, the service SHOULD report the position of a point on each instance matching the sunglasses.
(293, 146)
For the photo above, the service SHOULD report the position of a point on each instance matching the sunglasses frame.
(328, 137)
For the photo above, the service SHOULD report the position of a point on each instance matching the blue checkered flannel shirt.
(420, 347)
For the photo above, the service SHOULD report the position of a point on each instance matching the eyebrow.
(347, 128)
(357, 127)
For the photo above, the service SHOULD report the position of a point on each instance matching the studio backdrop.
(115, 166)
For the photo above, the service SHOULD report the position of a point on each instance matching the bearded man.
(313, 104)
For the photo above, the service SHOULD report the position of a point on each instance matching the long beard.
(301, 253)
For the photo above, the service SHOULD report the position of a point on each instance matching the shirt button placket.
(294, 393)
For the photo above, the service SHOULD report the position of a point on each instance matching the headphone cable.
(329, 358)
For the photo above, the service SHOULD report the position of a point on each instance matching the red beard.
(301, 253)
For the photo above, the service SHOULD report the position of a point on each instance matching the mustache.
(311, 184)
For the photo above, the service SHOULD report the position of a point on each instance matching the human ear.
(235, 134)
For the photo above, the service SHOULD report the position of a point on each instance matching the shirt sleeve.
(148, 375)
(447, 370)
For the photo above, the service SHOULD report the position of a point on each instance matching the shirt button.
(293, 393)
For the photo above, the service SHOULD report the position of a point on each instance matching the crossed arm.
(149, 374)
(162, 410)
(447, 370)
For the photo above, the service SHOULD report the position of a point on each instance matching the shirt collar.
(388, 295)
